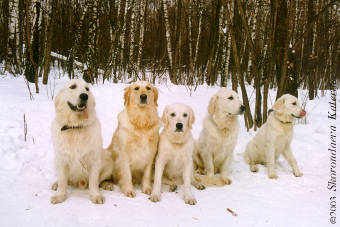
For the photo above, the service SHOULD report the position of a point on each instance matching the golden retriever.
(275, 136)
(76, 132)
(134, 143)
(218, 137)
(175, 150)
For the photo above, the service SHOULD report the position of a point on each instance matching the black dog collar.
(65, 127)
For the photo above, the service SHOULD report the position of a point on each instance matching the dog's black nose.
(143, 97)
(179, 125)
(242, 108)
(83, 96)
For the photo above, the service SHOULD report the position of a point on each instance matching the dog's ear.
(155, 95)
(165, 117)
(191, 118)
(278, 105)
(212, 104)
(127, 92)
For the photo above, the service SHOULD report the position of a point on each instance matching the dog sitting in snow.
(275, 136)
(76, 132)
(217, 140)
(134, 142)
(175, 150)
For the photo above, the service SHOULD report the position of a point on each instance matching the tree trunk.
(48, 41)
(247, 116)
(177, 44)
(142, 16)
(213, 44)
(168, 38)
(283, 76)
(257, 78)
(132, 39)
(195, 63)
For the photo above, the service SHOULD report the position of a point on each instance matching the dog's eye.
(136, 88)
(87, 89)
(73, 86)
(294, 103)
(185, 115)
(173, 115)
(231, 98)
(148, 88)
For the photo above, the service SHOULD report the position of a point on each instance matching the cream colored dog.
(275, 136)
(175, 150)
(218, 137)
(79, 157)
(134, 143)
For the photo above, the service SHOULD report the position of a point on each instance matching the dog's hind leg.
(171, 183)
(197, 183)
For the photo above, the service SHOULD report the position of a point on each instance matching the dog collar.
(65, 127)
(283, 122)
(286, 122)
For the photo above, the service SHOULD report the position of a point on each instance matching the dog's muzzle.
(143, 99)
(83, 101)
(302, 114)
(82, 106)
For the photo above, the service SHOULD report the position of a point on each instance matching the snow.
(27, 171)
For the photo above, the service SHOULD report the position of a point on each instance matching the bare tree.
(51, 7)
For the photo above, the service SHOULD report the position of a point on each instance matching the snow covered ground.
(27, 172)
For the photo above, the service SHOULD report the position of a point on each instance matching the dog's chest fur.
(141, 145)
(139, 148)
(221, 138)
(177, 154)
(72, 147)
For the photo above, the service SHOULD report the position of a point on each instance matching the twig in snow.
(29, 89)
(25, 128)
(232, 212)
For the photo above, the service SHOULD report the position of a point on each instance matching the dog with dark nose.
(175, 150)
(143, 99)
(134, 142)
(274, 137)
(218, 137)
(80, 160)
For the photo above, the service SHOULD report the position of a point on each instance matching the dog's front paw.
(107, 185)
(190, 200)
(97, 199)
(273, 176)
(147, 190)
(172, 188)
(58, 198)
(254, 168)
(227, 181)
(54, 186)
(298, 174)
(155, 197)
(130, 193)
(199, 186)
